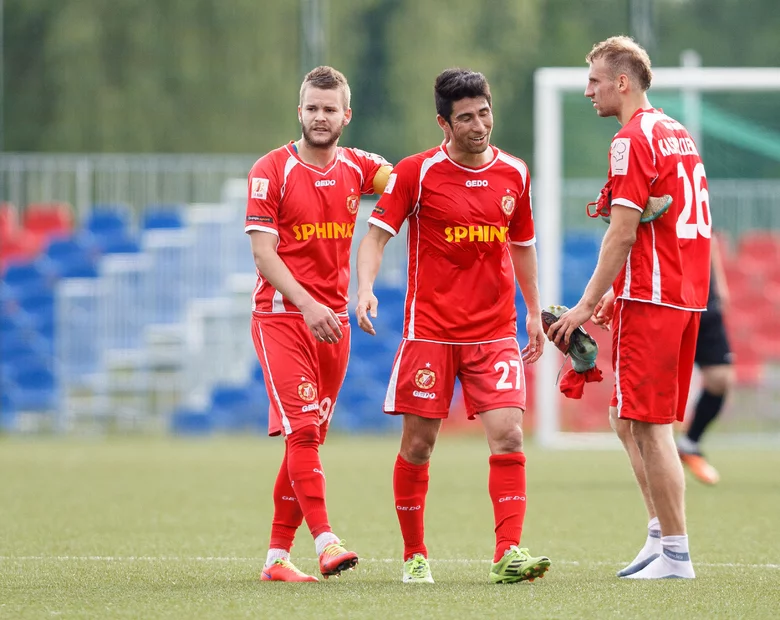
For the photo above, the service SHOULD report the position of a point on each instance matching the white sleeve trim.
(383, 226)
(273, 231)
(624, 202)
(531, 241)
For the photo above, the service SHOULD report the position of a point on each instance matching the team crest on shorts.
(307, 392)
(353, 201)
(508, 204)
(425, 379)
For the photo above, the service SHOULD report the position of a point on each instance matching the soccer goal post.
(551, 83)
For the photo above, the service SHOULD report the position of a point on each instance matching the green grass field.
(139, 528)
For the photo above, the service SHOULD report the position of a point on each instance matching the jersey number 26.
(695, 194)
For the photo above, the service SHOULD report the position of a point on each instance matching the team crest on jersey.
(508, 204)
(259, 188)
(618, 156)
(425, 379)
(307, 392)
(353, 201)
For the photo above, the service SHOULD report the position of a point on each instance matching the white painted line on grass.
(176, 558)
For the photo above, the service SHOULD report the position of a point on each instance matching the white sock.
(686, 445)
(276, 554)
(674, 561)
(323, 540)
(652, 543)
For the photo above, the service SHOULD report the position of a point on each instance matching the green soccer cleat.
(582, 348)
(417, 570)
(518, 565)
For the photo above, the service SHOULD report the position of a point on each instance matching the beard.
(321, 140)
(467, 146)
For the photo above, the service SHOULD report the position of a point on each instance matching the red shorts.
(423, 377)
(303, 376)
(653, 348)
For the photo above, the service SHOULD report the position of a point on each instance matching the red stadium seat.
(49, 219)
(761, 245)
(9, 223)
(748, 365)
(23, 246)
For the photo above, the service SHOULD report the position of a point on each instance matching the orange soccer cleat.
(335, 558)
(284, 570)
(700, 468)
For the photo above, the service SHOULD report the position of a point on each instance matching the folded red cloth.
(573, 382)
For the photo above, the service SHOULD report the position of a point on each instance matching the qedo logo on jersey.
(479, 232)
(323, 230)
(308, 394)
(325, 183)
(353, 202)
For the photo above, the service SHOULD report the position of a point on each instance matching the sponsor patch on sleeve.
(390, 183)
(618, 156)
(265, 219)
(259, 188)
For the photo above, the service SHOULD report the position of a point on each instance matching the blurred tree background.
(222, 76)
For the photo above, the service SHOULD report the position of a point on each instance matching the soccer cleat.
(582, 348)
(518, 565)
(700, 468)
(284, 570)
(335, 558)
(417, 570)
(655, 207)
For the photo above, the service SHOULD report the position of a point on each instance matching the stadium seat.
(108, 220)
(119, 244)
(162, 216)
(48, 218)
(23, 246)
(231, 408)
(24, 277)
(9, 221)
(760, 244)
(35, 387)
(72, 257)
(187, 421)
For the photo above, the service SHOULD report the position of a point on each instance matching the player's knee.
(417, 449)
(511, 440)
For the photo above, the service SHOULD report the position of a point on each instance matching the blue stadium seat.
(231, 408)
(162, 216)
(36, 388)
(118, 244)
(24, 276)
(582, 245)
(187, 421)
(108, 220)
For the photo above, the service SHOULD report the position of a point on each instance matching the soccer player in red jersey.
(471, 235)
(302, 205)
(659, 276)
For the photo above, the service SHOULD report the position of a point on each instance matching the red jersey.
(669, 264)
(461, 284)
(312, 210)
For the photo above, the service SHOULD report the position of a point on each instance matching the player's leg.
(713, 355)
(332, 360)
(494, 388)
(288, 515)
(652, 430)
(420, 389)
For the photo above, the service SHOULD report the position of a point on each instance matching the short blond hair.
(327, 78)
(624, 55)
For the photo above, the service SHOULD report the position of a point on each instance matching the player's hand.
(560, 331)
(602, 314)
(323, 322)
(533, 350)
(367, 305)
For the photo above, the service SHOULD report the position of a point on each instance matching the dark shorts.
(712, 346)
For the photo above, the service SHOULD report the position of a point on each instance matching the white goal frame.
(549, 85)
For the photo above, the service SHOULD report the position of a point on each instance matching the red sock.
(288, 515)
(410, 486)
(506, 485)
(307, 477)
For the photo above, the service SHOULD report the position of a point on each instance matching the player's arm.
(526, 274)
(369, 259)
(321, 320)
(379, 182)
(618, 240)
